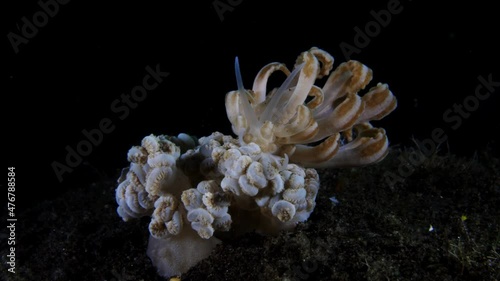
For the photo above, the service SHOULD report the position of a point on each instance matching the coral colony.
(264, 178)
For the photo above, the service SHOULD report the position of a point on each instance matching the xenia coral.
(264, 179)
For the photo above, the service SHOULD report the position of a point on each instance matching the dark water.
(73, 104)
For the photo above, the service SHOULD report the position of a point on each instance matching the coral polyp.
(281, 122)
(263, 179)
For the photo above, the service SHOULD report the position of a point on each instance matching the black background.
(66, 77)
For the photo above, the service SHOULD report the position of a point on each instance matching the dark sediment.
(441, 223)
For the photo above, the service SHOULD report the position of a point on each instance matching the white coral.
(258, 180)
(151, 174)
(166, 219)
(131, 195)
(207, 208)
(193, 189)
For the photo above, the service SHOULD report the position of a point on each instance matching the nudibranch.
(265, 179)
(335, 116)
